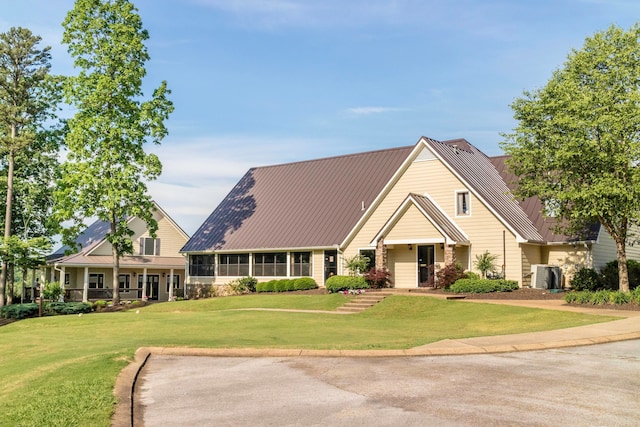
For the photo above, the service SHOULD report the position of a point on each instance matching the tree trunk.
(116, 265)
(623, 273)
(7, 218)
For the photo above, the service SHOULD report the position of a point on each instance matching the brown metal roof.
(440, 219)
(477, 170)
(533, 208)
(314, 203)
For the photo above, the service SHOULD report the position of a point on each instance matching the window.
(66, 278)
(270, 264)
(149, 246)
(176, 281)
(201, 265)
(96, 281)
(124, 281)
(463, 205)
(233, 265)
(301, 263)
(371, 254)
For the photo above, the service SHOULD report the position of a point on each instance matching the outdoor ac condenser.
(546, 276)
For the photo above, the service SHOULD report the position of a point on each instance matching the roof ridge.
(339, 156)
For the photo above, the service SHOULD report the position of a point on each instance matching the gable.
(412, 226)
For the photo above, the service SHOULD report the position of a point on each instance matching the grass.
(60, 371)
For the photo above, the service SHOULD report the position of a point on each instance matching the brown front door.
(426, 260)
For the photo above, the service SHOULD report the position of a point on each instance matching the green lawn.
(61, 370)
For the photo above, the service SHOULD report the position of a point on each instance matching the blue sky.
(259, 82)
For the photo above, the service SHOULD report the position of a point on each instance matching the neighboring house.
(147, 274)
(411, 209)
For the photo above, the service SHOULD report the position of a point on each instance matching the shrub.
(19, 311)
(283, 285)
(472, 275)
(600, 297)
(52, 291)
(378, 278)
(243, 285)
(304, 283)
(483, 286)
(620, 297)
(341, 283)
(610, 278)
(447, 276)
(69, 307)
(266, 286)
(357, 264)
(99, 305)
(586, 279)
(486, 262)
(635, 296)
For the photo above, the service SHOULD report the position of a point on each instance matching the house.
(411, 210)
(147, 274)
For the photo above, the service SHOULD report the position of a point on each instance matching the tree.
(27, 101)
(486, 262)
(106, 168)
(577, 143)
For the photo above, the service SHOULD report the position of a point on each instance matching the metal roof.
(477, 170)
(314, 203)
(440, 219)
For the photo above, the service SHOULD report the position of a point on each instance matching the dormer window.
(463, 203)
(149, 246)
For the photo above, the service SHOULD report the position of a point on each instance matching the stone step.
(363, 301)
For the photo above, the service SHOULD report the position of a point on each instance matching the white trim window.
(149, 246)
(463, 203)
(96, 281)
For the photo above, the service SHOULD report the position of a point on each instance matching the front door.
(426, 260)
(330, 264)
(153, 282)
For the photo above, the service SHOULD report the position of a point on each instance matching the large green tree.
(577, 143)
(27, 102)
(107, 168)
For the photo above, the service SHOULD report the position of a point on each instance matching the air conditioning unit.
(546, 276)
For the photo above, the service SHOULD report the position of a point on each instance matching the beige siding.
(431, 177)
(531, 254)
(568, 257)
(405, 271)
(413, 225)
(604, 250)
(171, 240)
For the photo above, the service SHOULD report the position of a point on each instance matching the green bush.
(378, 278)
(609, 276)
(472, 275)
(68, 308)
(266, 286)
(635, 296)
(620, 297)
(304, 283)
(341, 283)
(601, 297)
(19, 311)
(99, 305)
(586, 279)
(481, 286)
(282, 285)
(52, 291)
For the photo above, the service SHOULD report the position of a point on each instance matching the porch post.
(62, 271)
(85, 286)
(144, 283)
(449, 254)
(381, 255)
(52, 278)
(171, 285)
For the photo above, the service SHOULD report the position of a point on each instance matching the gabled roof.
(95, 234)
(476, 170)
(451, 233)
(306, 204)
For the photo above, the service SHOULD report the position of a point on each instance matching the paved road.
(579, 386)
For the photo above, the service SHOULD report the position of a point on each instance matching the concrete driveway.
(595, 385)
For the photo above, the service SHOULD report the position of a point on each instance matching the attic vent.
(362, 207)
(455, 148)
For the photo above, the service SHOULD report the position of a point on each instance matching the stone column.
(381, 255)
(449, 254)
